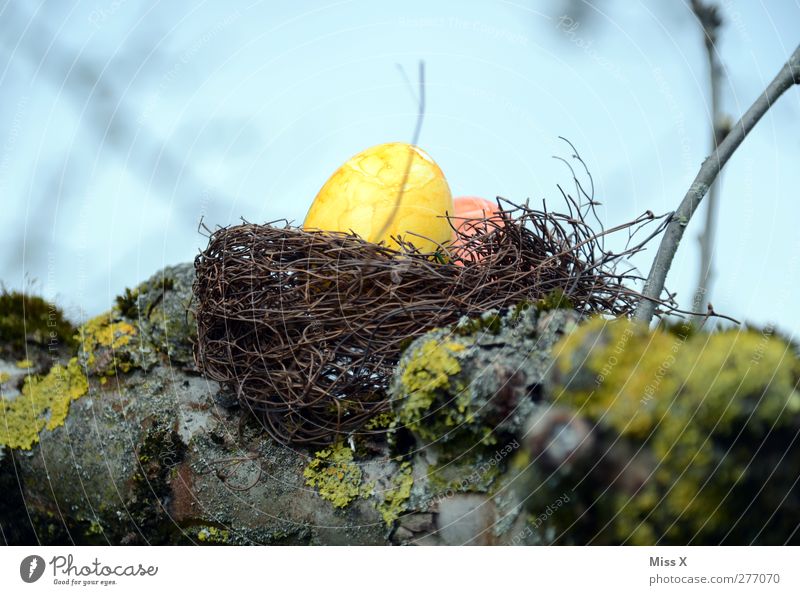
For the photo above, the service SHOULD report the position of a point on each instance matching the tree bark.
(521, 426)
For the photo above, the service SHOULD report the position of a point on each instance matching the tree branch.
(711, 21)
(414, 140)
(788, 76)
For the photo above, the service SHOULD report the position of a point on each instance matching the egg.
(361, 197)
(466, 209)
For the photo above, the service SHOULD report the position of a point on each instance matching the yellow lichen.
(626, 378)
(380, 421)
(426, 375)
(101, 332)
(335, 475)
(24, 364)
(43, 404)
(685, 395)
(4, 377)
(395, 499)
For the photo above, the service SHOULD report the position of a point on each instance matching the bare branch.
(788, 76)
(414, 140)
(711, 21)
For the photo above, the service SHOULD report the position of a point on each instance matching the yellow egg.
(362, 195)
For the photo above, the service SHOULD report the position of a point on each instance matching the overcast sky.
(124, 122)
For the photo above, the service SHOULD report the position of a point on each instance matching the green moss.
(147, 324)
(519, 309)
(128, 303)
(696, 401)
(43, 404)
(24, 317)
(473, 380)
(404, 344)
(381, 421)
(94, 528)
(467, 467)
(159, 453)
(490, 322)
(213, 535)
(679, 328)
(555, 300)
(520, 461)
(601, 354)
(335, 475)
(160, 309)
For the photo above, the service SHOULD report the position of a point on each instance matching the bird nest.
(307, 327)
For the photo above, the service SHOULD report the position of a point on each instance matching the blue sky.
(125, 122)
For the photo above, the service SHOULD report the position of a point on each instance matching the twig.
(711, 21)
(788, 75)
(414, 141)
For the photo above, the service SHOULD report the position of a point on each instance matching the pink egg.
(466, 209)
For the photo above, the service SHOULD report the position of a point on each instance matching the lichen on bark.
(712, 410)
(520, 426)
(334, 474)
(43, 404)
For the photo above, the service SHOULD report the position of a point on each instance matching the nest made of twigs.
(307, 327)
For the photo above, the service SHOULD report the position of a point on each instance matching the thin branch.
(711, 21)
(414, 140)
(789, 75)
